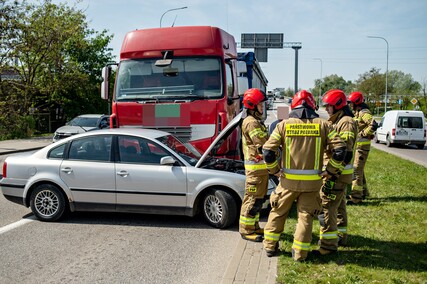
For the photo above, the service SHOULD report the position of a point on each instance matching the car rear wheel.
(219, 208)
(47, 202)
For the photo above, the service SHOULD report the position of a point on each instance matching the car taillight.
(4, 169)
(424, 133)
(393, 131)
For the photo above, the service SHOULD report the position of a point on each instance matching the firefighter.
(254, 135)
(303, 138)
(366, 127)
(333, 193)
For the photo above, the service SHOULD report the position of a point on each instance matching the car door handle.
(123, 173)
(67, 170)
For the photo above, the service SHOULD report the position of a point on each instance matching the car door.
(416, 131)
(89, 173)
(142, 183)
(403, 130)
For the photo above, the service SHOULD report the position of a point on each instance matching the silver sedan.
(126, 170)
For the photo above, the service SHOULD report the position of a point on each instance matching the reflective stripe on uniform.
(302, 174)
(336, 165)
(342, 230)
(272, 165)
(328, 235)
(276, 136)
(257, 217)
(346, 134)
(248, 221)
(363, 142)
(275, 237)
(301, 245)
(288, 152)
(254, 166)
(317, 154)
(257, 131)
(332, 134)
(348, 169)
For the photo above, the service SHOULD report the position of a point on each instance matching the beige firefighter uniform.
(334, 203)
(303, 142)
(359, 187)
(254, 135)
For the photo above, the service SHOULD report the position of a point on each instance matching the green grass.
(387, 233)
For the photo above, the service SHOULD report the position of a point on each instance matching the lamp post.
(169, 11)
(386, 72)
(321, 77)
(296, 48)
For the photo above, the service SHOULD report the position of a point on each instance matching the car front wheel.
(47, 202)
(219, 208)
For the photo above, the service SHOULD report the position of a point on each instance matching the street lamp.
(169, 11)
(321, 77)
(386, 72)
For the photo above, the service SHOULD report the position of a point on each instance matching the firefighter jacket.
(366, 133)
(346, 127)
(304, 138)
(254, 135)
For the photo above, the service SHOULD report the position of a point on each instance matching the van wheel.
(420, 146)
(388, 141)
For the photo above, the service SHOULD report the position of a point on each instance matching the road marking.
(15, 225)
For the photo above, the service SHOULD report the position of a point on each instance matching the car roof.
(91, 115)
(149, 133)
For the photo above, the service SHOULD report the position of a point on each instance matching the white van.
(402, 127)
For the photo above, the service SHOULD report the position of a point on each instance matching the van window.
(410, 122)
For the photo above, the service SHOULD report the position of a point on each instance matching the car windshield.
(185, 150)
(84, 121)
(184, 79)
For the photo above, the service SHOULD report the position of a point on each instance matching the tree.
(372, 85)
(331, 82)
(60, 60)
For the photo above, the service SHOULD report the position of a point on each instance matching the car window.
(92, 148)
(410, 122)
(57, 153)
(139, 150)
(84, 121)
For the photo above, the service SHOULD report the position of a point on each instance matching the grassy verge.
(388, 232)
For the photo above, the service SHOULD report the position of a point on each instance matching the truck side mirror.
(106, 71)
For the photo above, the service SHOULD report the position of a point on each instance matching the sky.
(333, 31)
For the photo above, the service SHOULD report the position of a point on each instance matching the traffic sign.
(414, 101)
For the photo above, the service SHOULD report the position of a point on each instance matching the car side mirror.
(168, 160)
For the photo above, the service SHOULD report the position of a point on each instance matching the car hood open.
(225, 133)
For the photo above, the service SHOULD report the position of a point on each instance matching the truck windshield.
(185, 79)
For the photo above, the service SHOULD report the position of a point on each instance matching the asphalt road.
(112, 248)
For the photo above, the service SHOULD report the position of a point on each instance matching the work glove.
(327, 187)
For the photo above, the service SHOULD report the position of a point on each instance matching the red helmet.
(301, 97)
(356, 98)
(252, 97)
(335, 98)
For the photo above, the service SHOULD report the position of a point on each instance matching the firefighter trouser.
(308, 206)
(342, 220)
(328, 236)
(255, 192)
(359, 179)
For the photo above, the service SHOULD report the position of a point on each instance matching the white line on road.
(15, 225)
